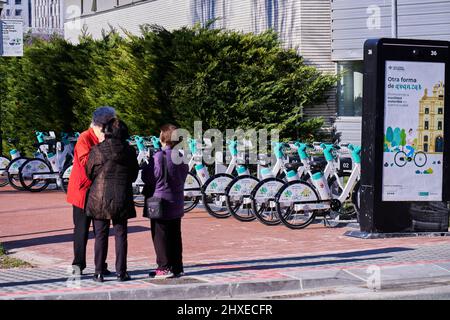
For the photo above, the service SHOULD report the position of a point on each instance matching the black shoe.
(98, 278)
(106, 272)
(124, 277)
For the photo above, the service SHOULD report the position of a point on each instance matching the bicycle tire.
(312, 196)
(421, 154)
(259, 212)
(13, 173)
(233, 205)
(190, 205)
(399, 153)
(338, 190)
(4, 162)
(43, 166)
(65, 176)
(208, 196)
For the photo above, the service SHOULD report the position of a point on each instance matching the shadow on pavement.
(68, 237)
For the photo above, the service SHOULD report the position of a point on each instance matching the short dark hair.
(116, 129)
(166, 135)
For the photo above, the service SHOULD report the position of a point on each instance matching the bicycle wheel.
(263, 201)
(4, 162)
(192, 192)
(138, 186)
(356, 199)
(65, 175)
(420, 159)
(337, 183)
(400, 159)
(213, 195)
(238, 197)
(295, 204)
(13, 173)
(35, 175)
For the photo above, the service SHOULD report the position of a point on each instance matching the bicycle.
(51, 164)
(303, 201)
(12, 170)
(419, 158)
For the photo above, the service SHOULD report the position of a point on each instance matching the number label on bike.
(345, 164)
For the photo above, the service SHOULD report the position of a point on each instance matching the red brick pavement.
(40, 224)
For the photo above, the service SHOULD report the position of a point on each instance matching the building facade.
(431, 120)
(301, 24)
(354, 21)
(47, 16)
(18, 9)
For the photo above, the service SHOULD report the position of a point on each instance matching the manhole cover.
(173, 281)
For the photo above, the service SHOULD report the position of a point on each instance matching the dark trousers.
(101, 244)
(166, 235)
(81, 233)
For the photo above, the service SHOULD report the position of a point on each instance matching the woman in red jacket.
(79, 184)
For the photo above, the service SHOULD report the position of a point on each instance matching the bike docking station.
(405, 154)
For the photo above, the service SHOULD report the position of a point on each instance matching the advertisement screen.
(413, 131)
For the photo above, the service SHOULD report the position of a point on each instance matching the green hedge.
(227, 79)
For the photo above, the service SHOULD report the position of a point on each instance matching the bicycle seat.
(317, 165)
(293, 166)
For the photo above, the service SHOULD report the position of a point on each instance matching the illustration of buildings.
(431, 120)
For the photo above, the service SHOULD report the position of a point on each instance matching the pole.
(394, 21)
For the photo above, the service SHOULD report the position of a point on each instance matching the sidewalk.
(224, 258)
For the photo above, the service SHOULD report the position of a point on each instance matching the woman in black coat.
(112, 167)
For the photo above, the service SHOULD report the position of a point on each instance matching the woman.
(112, 167)
(167, 178)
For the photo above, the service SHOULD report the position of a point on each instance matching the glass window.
(426, 125)
(18, 12)
(439, 125)
(18, 1)
(425, 138)
(350, 88)
(427, 111)
(440, 110)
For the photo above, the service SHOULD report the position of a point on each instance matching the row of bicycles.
(51, 163)
(294, 186)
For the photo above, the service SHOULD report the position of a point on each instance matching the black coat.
(112, 167)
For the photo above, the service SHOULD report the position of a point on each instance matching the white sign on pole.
(12, 38)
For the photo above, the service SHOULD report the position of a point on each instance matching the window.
(425, 138)
(18, 1)
(18, 12)
(439, 125)
(8, 12)
(426, 125)
(440, 110)
(350, 88)
(427, 111)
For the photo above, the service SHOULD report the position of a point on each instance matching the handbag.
(154, 205)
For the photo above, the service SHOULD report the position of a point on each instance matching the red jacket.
(78, 180)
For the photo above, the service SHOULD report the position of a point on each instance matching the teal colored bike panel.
(232, 146)
(278, 150)
(356, 153)
(40, 136)
(156, 143)
(301, 150)
(139, 143)
(328, 151)
(192, 145)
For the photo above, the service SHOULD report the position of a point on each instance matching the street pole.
(394, 21)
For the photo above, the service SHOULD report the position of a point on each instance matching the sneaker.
(161, 274)
(76, 270)
(178, 275)
(98, 278)
(124, 277)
